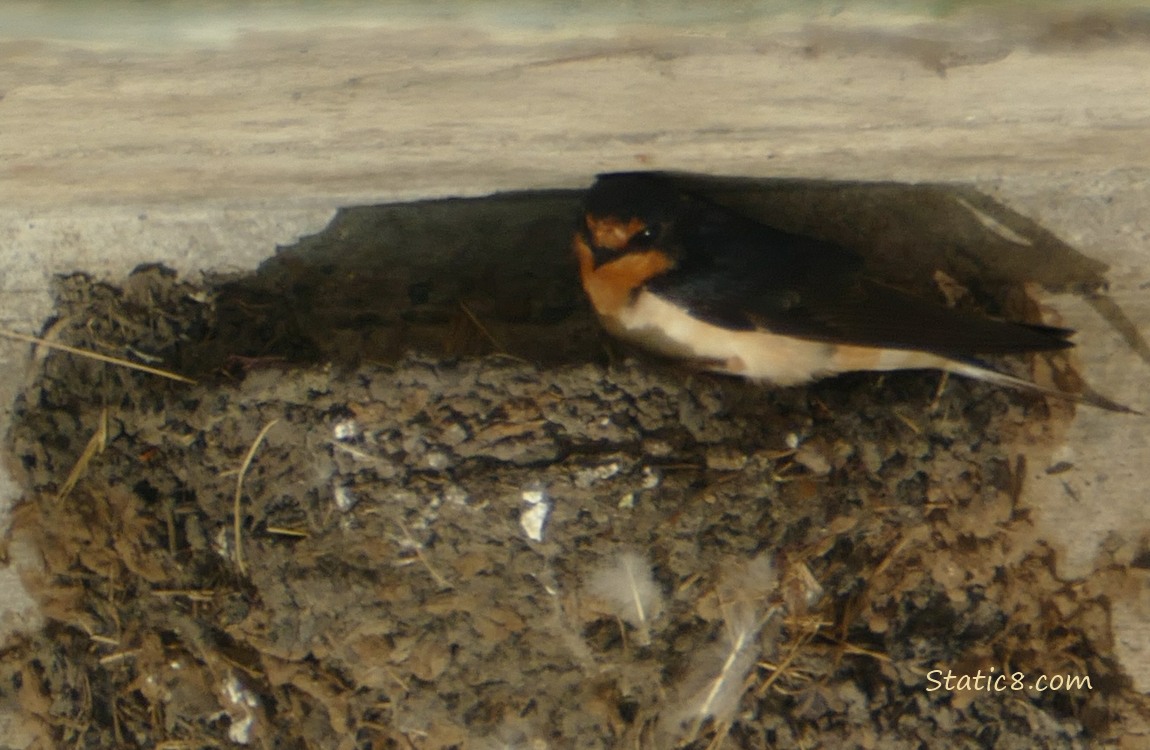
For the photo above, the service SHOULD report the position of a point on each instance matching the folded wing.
(744, 275)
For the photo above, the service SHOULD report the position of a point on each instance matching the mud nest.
(486, 552)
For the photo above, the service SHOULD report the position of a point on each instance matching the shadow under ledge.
(461, 277)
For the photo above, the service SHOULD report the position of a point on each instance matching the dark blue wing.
(744, 275)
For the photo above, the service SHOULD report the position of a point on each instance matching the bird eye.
(644, 238)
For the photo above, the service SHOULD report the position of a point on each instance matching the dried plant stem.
(95, 446)
(444, 584)
(236, 517)
(780, 669)
(482, 328)
(938, 391)
(282, 531)
(94, 355)
(196, 595)
(119, 656)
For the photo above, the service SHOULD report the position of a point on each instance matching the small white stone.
(348, 429)
(222, 542)
(585, 478)
(240, 730)
(455, 495)
(533, 518)
(651, 478)
(344, 499)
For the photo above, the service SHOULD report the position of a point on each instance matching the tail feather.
(1087, 396)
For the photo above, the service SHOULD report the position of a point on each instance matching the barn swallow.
(684, 277)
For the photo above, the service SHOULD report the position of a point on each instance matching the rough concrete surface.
(208, 153)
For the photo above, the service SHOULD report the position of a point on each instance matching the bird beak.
(601, 255)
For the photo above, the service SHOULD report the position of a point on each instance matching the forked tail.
(1087, 396)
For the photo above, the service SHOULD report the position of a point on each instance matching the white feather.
(627, 586)
(714, 684)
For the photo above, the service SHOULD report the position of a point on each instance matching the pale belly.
(658, 325)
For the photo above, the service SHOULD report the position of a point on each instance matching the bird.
(675, 273)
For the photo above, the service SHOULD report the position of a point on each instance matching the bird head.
(627, 213)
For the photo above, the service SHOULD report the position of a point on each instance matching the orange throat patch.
(612, 286)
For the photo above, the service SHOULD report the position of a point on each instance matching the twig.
(850, 648)
(444, 584)
(96, 445)
(94, 355)
(196, 595)
(283, 531)
(481, 328)
(240, 491)
(119, 656)
(781, 668)
(908, 422)
(938, 391)
(105, 640)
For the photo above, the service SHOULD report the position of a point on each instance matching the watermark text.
(1001, 682)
